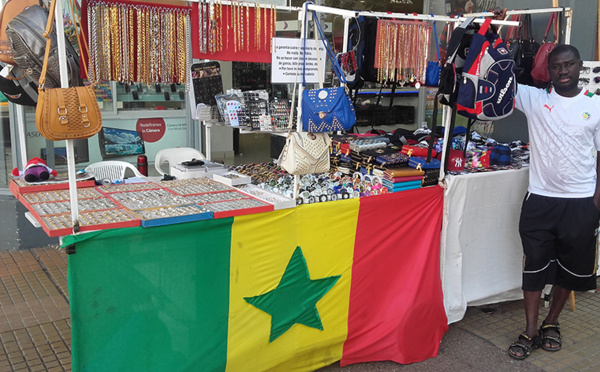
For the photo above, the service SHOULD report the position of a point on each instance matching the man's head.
(564, 64)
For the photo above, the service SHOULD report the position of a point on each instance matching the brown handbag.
(65, 113)
(10, 10)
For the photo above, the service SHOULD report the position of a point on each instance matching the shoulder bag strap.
(437, 44)
(47, 32)
(334, 62)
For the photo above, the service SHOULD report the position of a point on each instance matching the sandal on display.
(521, 348)
(550, 335)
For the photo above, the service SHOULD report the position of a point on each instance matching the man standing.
(561, 211)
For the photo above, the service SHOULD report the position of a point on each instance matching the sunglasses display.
(589, 76)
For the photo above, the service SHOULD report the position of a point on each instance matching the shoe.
(556, 341)
(525, 344)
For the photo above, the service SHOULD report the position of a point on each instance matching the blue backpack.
(487, 86)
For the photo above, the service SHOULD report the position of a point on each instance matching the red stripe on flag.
(396, 305)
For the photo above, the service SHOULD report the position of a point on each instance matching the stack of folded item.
(403, 178)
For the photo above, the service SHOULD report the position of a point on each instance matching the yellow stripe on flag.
(325, 234)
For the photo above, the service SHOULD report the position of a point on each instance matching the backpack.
(362, 37)
(488, 85)
(455, 59)
(18, 88)
(25, 32)
(9, 11)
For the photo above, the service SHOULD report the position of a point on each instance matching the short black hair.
(564, 48)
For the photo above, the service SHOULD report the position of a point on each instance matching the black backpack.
(25, 33)
(362, 36)
(18, 88)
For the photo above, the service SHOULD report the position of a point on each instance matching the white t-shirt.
(564, 135)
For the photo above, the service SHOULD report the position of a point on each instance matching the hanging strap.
(437, 44)
(552, 24)
(334, 63)
(46, 34)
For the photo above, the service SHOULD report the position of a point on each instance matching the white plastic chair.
(174, 156)
(112, 170)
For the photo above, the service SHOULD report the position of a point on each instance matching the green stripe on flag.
(136, 291)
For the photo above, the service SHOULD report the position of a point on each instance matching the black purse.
(529, 48)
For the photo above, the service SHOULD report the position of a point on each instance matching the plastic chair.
(112, 170)
(174, 156)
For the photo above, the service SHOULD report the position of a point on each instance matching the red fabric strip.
(396, 305)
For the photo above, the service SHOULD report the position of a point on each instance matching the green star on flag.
(294, 301)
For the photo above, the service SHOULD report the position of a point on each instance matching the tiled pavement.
(35, 328)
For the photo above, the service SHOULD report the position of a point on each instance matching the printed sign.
(151, 129)
(288, 57)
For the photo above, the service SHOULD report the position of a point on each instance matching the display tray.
(171, 215)
(60, 195)
(60, 224)
(219, 196)
(19, 186)
(238, 207)
(61, 207)
(138, 186)
(191, 186)
(148, 199)
(233, 178)
(278, 201)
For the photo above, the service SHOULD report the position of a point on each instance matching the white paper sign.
(287, 60)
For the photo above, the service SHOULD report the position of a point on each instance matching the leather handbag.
(10, 10)
(326, 109)
(26, 35)
(65, 113)
(539, 68)
(306, 153)
(528, 49)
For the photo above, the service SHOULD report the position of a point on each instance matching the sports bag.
(488, 84)
(26, 32)
(455, 61)
(9, 11)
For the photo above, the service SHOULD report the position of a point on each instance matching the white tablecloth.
(481, 252)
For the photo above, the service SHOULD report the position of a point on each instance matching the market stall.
(178, 292)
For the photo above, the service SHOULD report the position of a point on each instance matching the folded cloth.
(403, 172)
(412, 187)
(415, 150)
(400, 185)
(402, 179)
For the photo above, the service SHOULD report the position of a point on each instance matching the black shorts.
(559, 237)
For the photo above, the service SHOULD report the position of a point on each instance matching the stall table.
(481, 252)
(295, 289)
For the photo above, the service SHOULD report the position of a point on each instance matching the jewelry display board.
(133, 204)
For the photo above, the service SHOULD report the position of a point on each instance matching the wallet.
(420, 162)
(192, 163)
(403, 172)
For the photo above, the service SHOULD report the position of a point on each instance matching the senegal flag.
(290, 290)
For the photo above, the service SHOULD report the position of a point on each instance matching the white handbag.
(305, 153)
